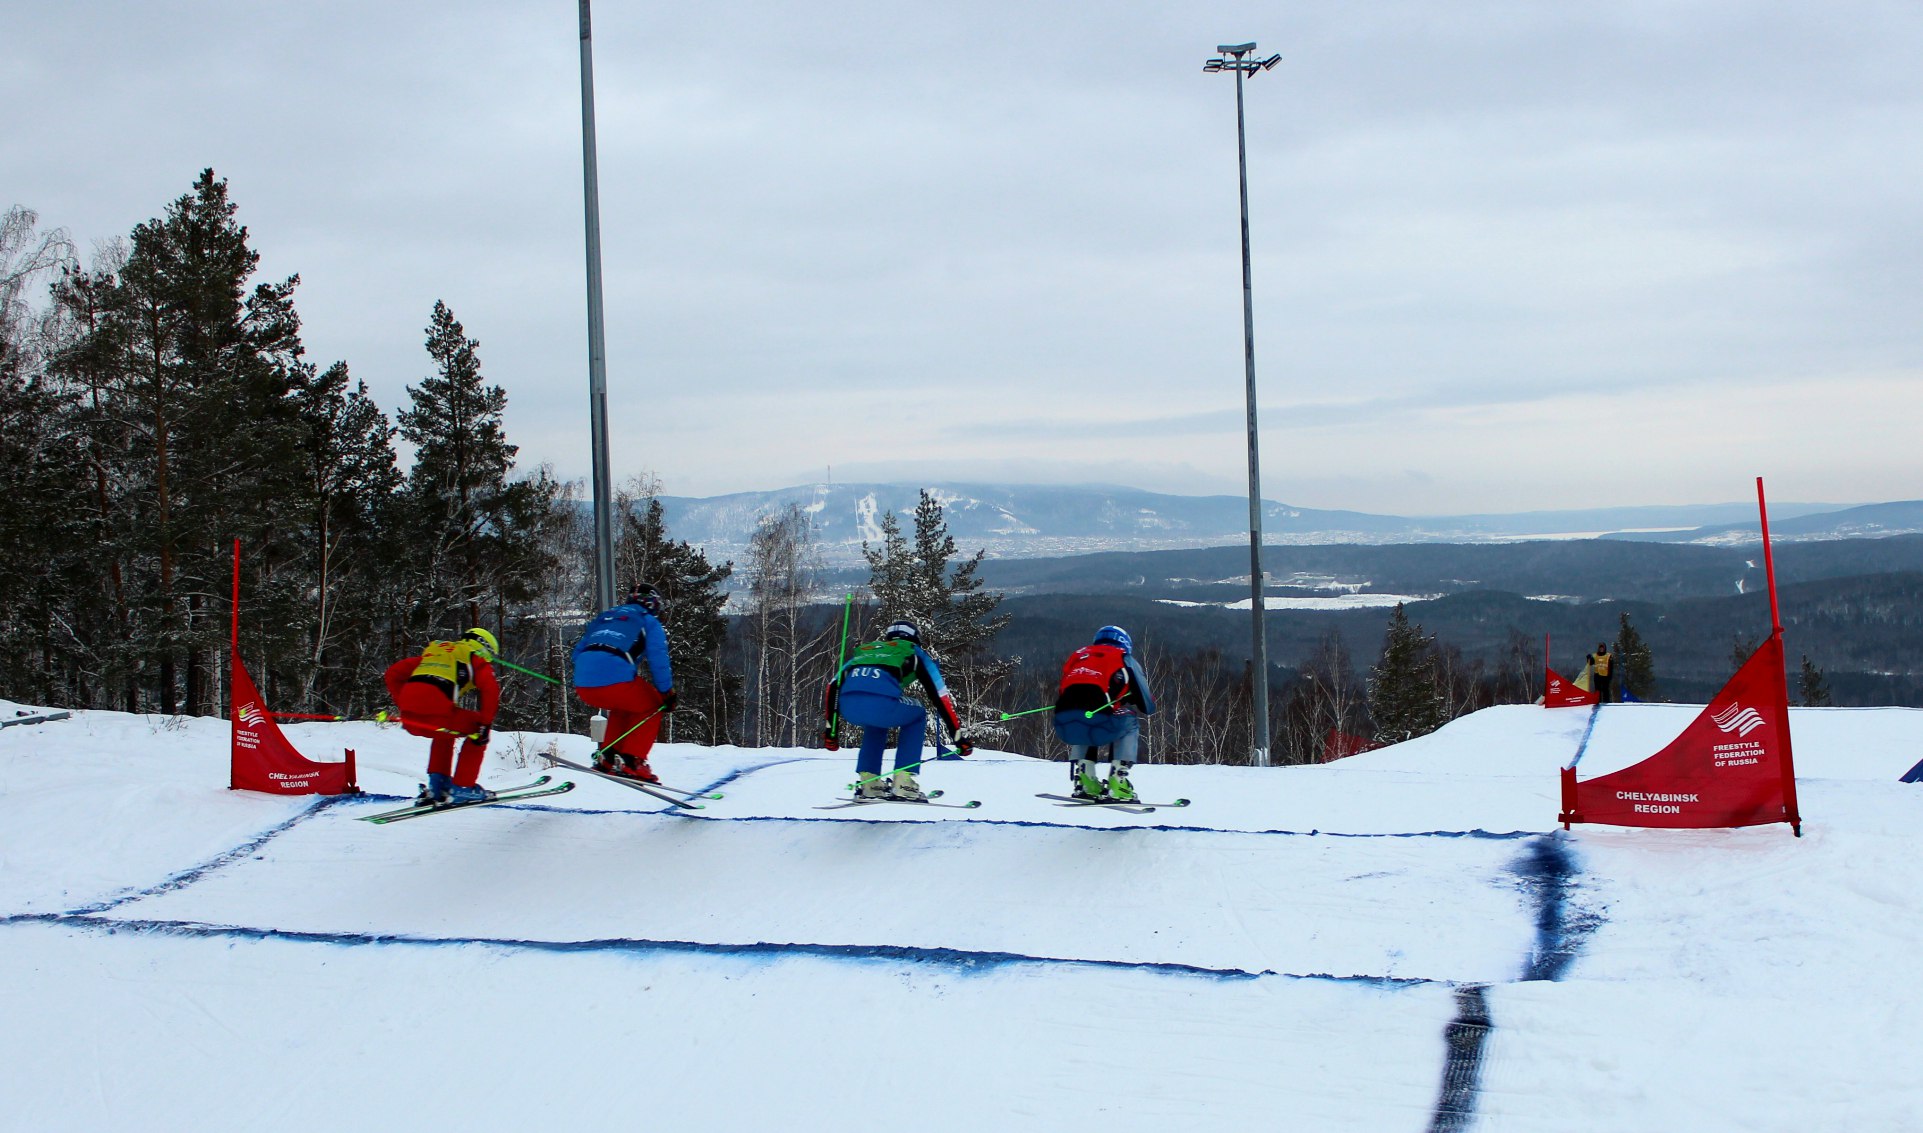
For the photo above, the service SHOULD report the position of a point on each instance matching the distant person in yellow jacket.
(1601, 666)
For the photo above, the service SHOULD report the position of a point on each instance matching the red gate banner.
(1341, 745)
(1559, 693)
(1730, 767)
(263, 758)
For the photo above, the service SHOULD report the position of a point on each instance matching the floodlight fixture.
(1239, 60)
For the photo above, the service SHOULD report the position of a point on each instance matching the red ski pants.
(627, 704)
(426, 711)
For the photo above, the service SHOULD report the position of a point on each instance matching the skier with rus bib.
(607, 674)
(428, 689)
(868, 692)
(1104, 694)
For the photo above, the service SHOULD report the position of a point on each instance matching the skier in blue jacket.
(607, 675)
(1104, 693)
(868, 691)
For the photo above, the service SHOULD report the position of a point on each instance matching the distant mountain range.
(1035, 521)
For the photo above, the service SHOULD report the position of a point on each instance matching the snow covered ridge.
(1330, 602)
(1028, 520)
(1313, 941)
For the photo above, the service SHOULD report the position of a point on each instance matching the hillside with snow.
(1401, 941)
(1040, 520)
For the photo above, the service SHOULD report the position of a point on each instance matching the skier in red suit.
(428, 690)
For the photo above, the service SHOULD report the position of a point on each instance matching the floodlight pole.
(597, 336)
(1239, 58)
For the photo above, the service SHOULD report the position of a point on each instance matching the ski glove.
(828, 740)
(669, 699)
(480, 735)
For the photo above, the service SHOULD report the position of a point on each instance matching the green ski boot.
(1088, 784)
(1119, 788)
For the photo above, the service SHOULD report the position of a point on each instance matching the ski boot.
(607, 763)
(906, 789)
(874, 787)
(1119, 788)
(636, 767)
(474, 794)
(434, 792)
(1088, 784)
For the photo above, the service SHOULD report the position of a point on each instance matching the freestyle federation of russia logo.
(251, 715)
(1739, 720)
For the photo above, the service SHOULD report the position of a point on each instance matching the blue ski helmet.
(902, 631)
(1114, 635)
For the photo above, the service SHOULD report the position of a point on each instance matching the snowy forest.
(157, 404)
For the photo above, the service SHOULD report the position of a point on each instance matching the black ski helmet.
(902, 631)
(646, 597)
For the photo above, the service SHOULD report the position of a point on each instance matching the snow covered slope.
(1403, 940)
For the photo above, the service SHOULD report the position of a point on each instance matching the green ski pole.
(504, 662)
(841, 658)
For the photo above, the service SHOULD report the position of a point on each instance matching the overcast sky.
(1507, 255)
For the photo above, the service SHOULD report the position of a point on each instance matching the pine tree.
(201, 370)
(1635, 668)
(458, 485)
(1404, 701)
(1812, 689)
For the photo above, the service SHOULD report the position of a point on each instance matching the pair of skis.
(667, 794)
(928, 801)
(537, 789)
(1130, 805)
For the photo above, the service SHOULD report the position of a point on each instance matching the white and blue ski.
(534, 790)
(660, 791)
(1133, 806)
(929, 801)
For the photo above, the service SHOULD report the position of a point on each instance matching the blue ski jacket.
(613, 645)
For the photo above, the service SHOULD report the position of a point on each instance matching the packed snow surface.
(1400, 941)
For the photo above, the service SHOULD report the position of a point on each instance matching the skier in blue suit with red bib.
(868, 692)
(1104, 693)
(607, 675)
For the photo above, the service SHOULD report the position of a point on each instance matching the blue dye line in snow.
(192, 874)
(1589, 729)
(1070, 826)
(1548, 873)
(961, 959)
(741, 771)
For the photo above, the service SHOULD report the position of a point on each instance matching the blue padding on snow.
(1914, 774)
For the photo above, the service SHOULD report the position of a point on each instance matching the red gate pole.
(1790, 810)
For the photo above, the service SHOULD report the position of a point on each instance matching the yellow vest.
(1602, 664)
(450, 661)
